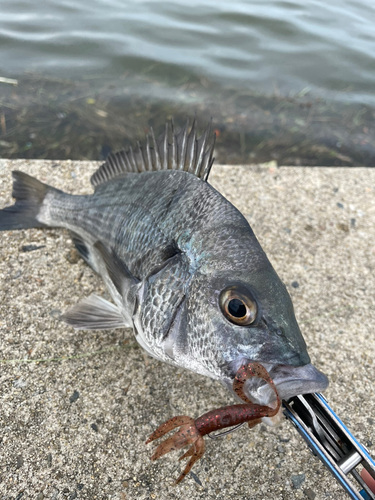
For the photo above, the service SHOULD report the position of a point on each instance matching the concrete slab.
(76, 407)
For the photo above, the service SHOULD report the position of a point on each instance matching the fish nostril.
(280, 331)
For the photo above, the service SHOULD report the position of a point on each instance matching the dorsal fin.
(185, 152)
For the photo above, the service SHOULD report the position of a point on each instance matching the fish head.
(233, 309)
(251, 318)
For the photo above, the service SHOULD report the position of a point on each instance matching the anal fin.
(94, 313)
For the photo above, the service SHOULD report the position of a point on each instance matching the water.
(284, 80)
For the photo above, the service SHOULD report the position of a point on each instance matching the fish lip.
(289, 380)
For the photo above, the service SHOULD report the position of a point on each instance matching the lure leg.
(188, 434)
(196, 452)
(191, 431)
(168, 426)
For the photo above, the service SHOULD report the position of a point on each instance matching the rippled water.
(182, 52)
(328, 46)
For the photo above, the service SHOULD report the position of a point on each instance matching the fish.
(182, 265)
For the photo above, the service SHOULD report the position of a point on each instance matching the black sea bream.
(181, 263)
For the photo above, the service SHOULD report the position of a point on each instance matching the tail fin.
(29, 194)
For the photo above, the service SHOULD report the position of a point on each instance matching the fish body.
(181, 263)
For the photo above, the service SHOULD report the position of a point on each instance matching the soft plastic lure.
(191, 431)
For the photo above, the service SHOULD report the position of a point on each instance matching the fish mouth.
(289, 380)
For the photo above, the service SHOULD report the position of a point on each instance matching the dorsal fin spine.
(201, 148)
(194, 154)
(112, 168)
(132, 159)
(209, 166)
(165, 148)
(174, 151)
(156, 149)
(127, 161)
(141, 157)
(183, 145)
(190, 148)
(148, 153)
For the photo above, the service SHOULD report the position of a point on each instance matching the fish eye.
(238, 305)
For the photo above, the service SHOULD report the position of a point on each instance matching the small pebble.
(31, 248)
(49, 459)
(19, 462)
(297, 480)
(72, 256)
(74, 397)
(309, 493)
(196, 478)
(343, 227)
(340, 205)
(295, 284)
(55, 313)
(94, 427)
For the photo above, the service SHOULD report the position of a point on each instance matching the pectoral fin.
(117, 270)
(94, 313)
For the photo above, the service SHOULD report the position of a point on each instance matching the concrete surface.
(73, 425)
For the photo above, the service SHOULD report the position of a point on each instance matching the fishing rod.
(331, 441)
